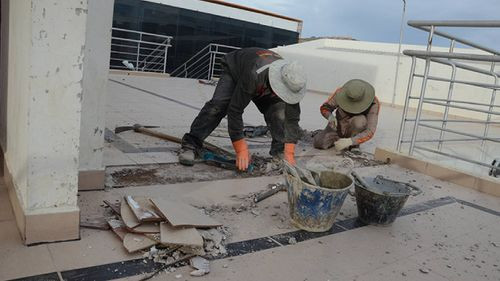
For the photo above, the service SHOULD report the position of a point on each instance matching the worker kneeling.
(275, 85)
(352, 114)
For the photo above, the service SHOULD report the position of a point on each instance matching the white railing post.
(138, 52)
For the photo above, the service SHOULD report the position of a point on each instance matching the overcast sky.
(379, 20)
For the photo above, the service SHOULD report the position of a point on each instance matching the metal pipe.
(399, 54)
(407, 103)
(476, 84)
(455, 23)
(459, 101)
(445, 140)
(460, 133)
(165, 60)
(455, 121)
(462, 56)
(492, 103)
(422, 92)
(450, 93)
(462, 107)
(456, 157)
(141, 32)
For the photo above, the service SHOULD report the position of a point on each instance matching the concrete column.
(95, 81)
(46, 44)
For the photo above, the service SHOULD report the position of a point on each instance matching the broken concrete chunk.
(181, 214)
(201, 265)
(424, 270)
(292, 241)
(143, 209)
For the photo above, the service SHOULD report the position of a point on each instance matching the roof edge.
(238, 6)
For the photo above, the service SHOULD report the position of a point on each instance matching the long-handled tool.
(147, 131)
(275, 188)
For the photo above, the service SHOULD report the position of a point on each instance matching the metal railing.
(456, 61)
(139, 51)
(206, 64)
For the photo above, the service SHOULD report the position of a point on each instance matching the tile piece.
(128, 216)
(142, 208)
(180, 236)
(133, 224)
(135, 242)
(181, 214)
(118, 227)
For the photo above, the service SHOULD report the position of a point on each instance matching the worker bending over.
(352, 114)
(275, 85)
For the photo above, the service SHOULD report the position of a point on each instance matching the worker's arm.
(292, 131)
(371, 124)
(241, 98)
(329, 105)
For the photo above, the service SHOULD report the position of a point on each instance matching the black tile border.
(42, 277)
(139, 266)
(478, 207)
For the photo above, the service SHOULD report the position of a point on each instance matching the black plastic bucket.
(379, 200)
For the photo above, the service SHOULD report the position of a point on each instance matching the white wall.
(46, 51)
(330, 63)
(95, 81)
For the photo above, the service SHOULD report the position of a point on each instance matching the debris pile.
(171, 232)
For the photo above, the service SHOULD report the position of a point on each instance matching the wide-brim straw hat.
(355, 96)
(288, 80)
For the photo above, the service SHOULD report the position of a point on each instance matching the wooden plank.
(94, 223)
(115, 207)
(118, 227)
(135, 242)
(142, 208)
(182, 214)
(170, 235)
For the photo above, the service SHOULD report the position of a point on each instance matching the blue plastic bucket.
(314, 208)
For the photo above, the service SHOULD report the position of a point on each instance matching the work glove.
(242, 155)
(289, 153)
(332, 121)
(342, 144)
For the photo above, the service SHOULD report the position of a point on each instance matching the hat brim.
(355, 107)
(279, 88)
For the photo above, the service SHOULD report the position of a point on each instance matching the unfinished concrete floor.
(446, 233)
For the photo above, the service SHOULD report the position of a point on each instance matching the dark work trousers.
(215, 109)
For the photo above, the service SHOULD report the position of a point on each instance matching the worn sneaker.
(186, 157)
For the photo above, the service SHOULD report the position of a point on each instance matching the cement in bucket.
(314, 208)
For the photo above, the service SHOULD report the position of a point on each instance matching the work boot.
(186, 157)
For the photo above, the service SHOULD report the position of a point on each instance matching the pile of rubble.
(169, 232)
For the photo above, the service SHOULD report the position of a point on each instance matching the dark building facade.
(193, 30)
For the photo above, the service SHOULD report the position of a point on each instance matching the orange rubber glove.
(289, 153)
(242, 155)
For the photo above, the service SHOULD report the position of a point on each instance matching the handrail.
(137, 53)
(141, 32)
(455, 61)
(455, 23)
(202, 64)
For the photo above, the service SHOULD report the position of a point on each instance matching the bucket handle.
(415, 190)
(357, 179)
